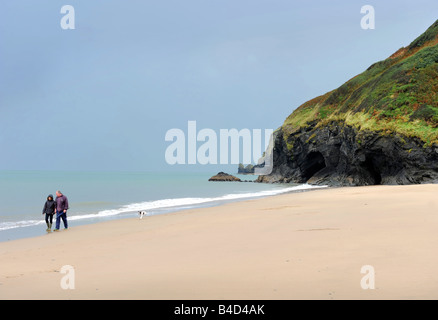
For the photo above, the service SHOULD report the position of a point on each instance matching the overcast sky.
(102, 96)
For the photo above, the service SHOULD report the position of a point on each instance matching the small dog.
(142, 213)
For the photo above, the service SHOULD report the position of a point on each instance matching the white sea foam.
(18, 224)
(165, 204)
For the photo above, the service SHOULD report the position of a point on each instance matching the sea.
(102, 196)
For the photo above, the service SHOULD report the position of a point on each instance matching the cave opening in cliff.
(315, 162)
(373, 170)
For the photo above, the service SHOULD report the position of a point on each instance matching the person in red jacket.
(61, 210)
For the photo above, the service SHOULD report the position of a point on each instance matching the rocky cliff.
(381, 127)
(339, 154)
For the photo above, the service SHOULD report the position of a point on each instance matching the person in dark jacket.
(61, 210)
(49, 210)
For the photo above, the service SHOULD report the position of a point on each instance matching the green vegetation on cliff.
(396, 95)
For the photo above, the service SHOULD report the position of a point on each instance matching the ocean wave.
(164, 204)
(19, 224)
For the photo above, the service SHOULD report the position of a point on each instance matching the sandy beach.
(308, 245)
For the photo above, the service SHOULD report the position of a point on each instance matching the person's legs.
(50, 221)
(47, 221)
(58, 219)
(64, 220)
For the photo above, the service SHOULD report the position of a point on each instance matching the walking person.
(61, 210)
(49, 210)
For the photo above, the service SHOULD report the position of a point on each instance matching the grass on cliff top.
(365, 122)
(414, 128)
(403, 124)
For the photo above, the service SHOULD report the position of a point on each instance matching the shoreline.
(37, 226)
(299, 245)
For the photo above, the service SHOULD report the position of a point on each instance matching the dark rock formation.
(222, 176)
(249, 169)
(340, 155)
